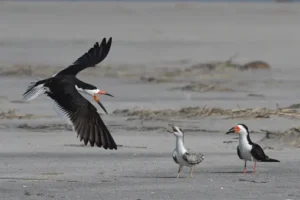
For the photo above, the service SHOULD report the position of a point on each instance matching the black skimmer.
(183, 156)
(247, 150)
(64, 89)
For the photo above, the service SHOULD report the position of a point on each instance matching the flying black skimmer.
(183, 156)
(64, 89)
(247, 150)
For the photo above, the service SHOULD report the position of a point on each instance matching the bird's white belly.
(245, 152)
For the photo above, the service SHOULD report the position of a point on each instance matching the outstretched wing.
(192, 157)
(258, 153)
(82, 114)
(90, 59)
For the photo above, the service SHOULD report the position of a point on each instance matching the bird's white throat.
(179, 145)
(243, 141)
(245, 148)
(86, 91)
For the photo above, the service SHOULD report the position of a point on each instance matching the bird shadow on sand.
(162, 177)
(229, 172)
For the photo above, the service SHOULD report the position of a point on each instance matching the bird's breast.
(245, 151)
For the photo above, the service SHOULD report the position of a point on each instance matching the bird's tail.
(34, 90)
(270, 160)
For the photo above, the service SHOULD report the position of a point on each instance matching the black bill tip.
(107, 94)
(102, 107)
(230, 131)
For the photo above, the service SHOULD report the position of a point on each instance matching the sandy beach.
(170, 63)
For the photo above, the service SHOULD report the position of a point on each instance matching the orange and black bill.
(104, 93)
(234, 129)
(98, 101)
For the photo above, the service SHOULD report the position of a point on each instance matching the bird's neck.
(179, 145)
(243, 141)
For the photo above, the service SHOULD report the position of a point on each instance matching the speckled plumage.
(193, 158)
(183, 156)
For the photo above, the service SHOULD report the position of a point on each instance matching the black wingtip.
(109, 42)
(272, 160)
(91, 58)
(103, 42)
(112, 147)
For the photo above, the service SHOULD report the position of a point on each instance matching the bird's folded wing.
(174, 155)
(90, 59)
(192, 157)
(258, 153)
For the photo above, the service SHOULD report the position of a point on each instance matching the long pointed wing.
(258, 153)
(82, 114)
(90, 59)
(192, 157)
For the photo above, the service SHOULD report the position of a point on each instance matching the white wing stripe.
(34, 92)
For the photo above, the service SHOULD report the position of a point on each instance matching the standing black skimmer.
(64, 89)
(247, 150)
(183, 156)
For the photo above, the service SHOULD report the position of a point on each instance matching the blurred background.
(161, 42)
(165, 54)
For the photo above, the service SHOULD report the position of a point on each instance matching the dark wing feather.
(258, 153)
(90, 59)
(174, 155)
(193, 158)
(239, 153)
(83, 115)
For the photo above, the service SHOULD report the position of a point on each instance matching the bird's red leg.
(254, 168)
(245, 168)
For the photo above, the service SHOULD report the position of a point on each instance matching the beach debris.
(11, 114)
(229, 142)
(294, 106)
(290, 137)
(26, 193)
(201, 87)
(253, 65)
(151, 79)
(252, 181)
(46, 127)
(258, 64)
(144, 73)
(255, 95)
(194, 112)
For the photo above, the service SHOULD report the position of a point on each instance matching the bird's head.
(93, 91)
(240, 129)
(176, 131)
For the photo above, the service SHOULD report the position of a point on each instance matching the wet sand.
(41, 158)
